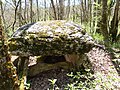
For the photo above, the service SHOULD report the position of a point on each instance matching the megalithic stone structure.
(60, 37)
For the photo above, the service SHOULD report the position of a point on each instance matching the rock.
(41, 67)
(50, 38)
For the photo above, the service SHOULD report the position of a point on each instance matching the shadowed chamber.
(53, 59)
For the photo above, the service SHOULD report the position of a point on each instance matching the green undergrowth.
(115, 45)
(100, 40)
(86, 80)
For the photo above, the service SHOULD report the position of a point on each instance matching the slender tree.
(25, 10)
(54, 9)
(83, 5)
(20, 13)
(114, 22)
(15, 13)
(68, 10)
(104, 22)
(45, 12)
(91, 6)
(2, 13)
(31, 11)
(74, 12)
(61, 13)
(37, 10)
(58, 9)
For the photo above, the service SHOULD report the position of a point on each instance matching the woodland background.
(100, 18)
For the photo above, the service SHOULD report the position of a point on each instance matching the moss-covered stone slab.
(50, 38)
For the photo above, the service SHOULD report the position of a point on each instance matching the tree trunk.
(24, 65)
(37, 10)
(114, 22)
(68, 10)
(31, 12)
(58, 9)
(74, 12)
(25, 10)
(83, 4)
(8, 76)
(45, 16)
(61, 3)
(91, 6)
(2, 13)
(54, 10)
(15, 13)
(104, 28)
(20, 14)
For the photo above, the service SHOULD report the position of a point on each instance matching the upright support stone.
(25, 60)
(79, 60)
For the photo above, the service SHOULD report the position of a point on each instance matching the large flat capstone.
(50, 38)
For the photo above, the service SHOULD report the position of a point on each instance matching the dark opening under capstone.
(53, 59)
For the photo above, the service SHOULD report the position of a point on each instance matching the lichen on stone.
(51, 37)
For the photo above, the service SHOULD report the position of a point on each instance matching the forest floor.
(41, 81)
